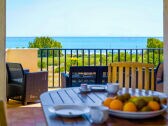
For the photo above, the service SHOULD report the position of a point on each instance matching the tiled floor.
(29, 115)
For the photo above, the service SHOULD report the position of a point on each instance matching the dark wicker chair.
(159, 77)
(25, 86)
(84, 74)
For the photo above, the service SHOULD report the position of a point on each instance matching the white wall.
(2, 49)
(165, 28)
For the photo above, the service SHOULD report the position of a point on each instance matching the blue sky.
(84, 18)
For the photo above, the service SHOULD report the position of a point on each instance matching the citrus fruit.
(154, 105)
(129, 107)
(107, 101)
(116, 104)
(146, 109)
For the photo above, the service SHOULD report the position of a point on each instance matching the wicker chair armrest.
(64, 80)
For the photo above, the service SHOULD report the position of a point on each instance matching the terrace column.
(2, 49)
(165, 30)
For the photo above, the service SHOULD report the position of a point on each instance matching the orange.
(154, 105)
(107, 101)
(129, 107)
(116, 105)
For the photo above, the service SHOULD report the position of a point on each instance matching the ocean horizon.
(86, 42)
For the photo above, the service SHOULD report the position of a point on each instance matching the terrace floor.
(28, 115)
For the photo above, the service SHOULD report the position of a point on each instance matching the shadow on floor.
(29, 115)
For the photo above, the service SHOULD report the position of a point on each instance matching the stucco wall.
(165, 29)
(2, 49)
(28, 57)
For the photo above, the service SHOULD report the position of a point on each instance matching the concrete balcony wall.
(28, 57)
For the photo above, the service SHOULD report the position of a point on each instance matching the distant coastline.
(90, 42)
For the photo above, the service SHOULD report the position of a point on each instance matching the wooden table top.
(73, 96)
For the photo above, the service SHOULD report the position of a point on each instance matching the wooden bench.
(84, 74)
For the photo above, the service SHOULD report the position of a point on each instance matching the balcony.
(57, 61)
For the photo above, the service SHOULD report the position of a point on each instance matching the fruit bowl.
(137, 115)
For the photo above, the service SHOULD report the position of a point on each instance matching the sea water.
(86, 42)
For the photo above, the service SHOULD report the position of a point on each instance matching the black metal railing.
(56, 61)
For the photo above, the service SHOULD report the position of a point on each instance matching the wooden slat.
(140, 78)
(121, 76)
(84, 97)
(65, 97)
(46, 98)
(74, 96)
(101, 95)
(109, 73)
(147, 78)
(133, 77)
(94, 98)
(114, 74)
(127, 75)
(56, 98)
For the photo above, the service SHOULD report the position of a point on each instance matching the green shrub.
(44, 65)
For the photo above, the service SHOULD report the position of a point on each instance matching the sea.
(86, 42)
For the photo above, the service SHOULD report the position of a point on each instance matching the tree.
(154, 43)
(46, 42)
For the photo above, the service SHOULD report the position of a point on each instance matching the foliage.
(46, 42)
(154, 43)
(43, 64)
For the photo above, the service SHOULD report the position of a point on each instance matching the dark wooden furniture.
(84, 74)
(159, 77)
(73, 96)
(25, 86)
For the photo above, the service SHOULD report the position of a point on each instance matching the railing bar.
(118, 55)
(88, 57)
(125, 55)
(131, 55)
(59, 67)
(153, 56)
(136, 55)
(41, 55)
(159, 55)
(94, 57)
(94, 48)
(47, 60)
(148, 55)
(142, 55)
(71, 55)
(65, 61)
(112, 51)
(53, 67)
(77, 56)
(100, 57)
(106, 57)
(83, 55)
